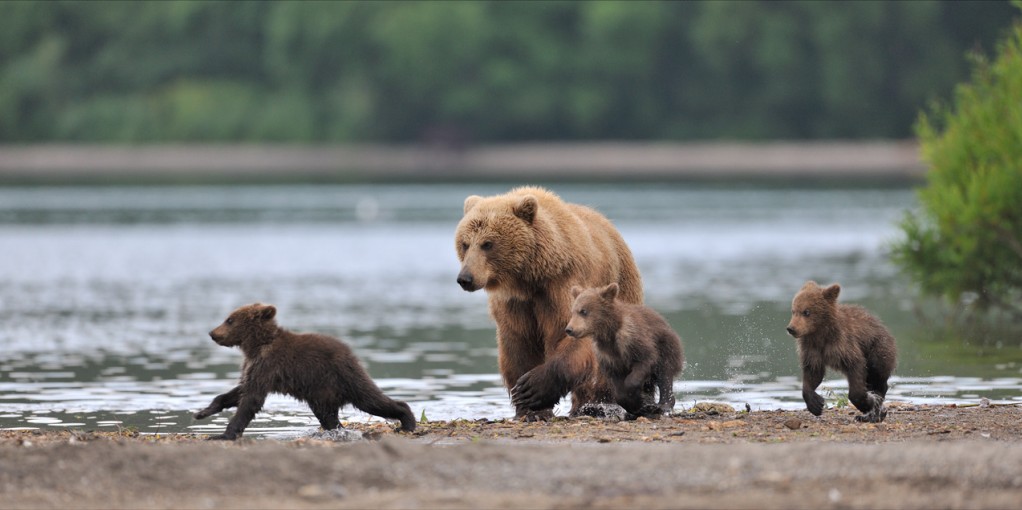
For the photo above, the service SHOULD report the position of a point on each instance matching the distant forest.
(464, 72)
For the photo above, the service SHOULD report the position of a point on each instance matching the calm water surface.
(106, 295)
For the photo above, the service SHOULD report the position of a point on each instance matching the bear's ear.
(526, 208)
(830, 293)
(575, 291)
(471, 202)
(811, 285)
(610, 291)
(267, 312)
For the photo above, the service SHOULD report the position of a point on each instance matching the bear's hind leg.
(374, 402)
(666, 387)
(877, 383)
(326, 414)
(869, 403)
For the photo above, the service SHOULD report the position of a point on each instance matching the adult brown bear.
(527, 249)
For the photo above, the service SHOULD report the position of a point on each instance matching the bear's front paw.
(222, 437)
(532, 393)
(815, 403)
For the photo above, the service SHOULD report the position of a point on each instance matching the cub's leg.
(812, 376)
(666, 387)
(250, 404)
(221, 402)
(326, 414)
(867, 402)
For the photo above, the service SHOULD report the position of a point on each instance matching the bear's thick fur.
(636, 348)
(846, 338)
(528, 248)
(317, 369)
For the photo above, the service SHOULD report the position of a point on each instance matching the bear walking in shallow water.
(637, 351)
(846, 338)
(317, 369)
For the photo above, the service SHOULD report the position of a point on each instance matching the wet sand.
(921, 457)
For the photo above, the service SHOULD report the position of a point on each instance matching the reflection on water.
(106, 295)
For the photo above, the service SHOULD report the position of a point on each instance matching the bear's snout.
(216, 338)
(568, 331)
(792, 332)
(466, 281)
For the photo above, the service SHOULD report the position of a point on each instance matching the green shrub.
(965, 242)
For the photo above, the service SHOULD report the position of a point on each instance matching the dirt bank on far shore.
(921, 457)
(890, 160)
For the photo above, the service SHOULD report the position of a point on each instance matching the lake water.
(107, 295)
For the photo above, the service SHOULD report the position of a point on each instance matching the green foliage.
(840, 399)
(158, 71)
(966, 241)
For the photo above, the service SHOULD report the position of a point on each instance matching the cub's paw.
(205, 413)
(815, 403)
(877, 415)
(530, 416)
(222, 437)
(651, 411)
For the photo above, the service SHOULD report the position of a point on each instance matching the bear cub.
(636, 349)
(846, 338)
(317, 369)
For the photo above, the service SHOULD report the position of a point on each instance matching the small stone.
(834, 495)
(339, 435)
(984, 402)
(317, 491)
(793, 423)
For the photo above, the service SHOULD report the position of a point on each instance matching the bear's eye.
(583, 312)
(486, 246)
(805, 313)
(230, 320)
(464, 246)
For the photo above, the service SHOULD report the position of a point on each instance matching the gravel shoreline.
(921, 457)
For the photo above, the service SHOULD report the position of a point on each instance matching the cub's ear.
(575, 291)
(526, 208)
(471, 202)
(610, 291)
(830, 293)
(267, 312)
(811, 285)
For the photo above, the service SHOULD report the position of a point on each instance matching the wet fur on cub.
(317, 369)
(636, 349)
(846, 338)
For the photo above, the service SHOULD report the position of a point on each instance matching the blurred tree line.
(477, 71)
